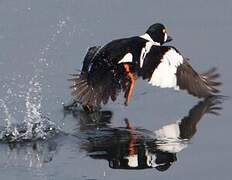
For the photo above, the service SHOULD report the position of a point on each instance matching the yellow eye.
(164, 30)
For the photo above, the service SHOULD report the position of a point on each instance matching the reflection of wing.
(171, 138)
(188, 124)
(170, 70)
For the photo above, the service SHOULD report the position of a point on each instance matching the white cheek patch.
(164, 75)
(144, 52)
(127, 58)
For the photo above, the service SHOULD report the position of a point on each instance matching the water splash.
(35, 125)
(59, 29)
(33, 105)
(8, 118)
(42, 130)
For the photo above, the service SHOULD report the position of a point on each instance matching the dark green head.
(158, 33)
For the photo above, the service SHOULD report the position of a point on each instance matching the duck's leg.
(132, 140)
(132, 79)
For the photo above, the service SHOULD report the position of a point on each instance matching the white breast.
(164, 75)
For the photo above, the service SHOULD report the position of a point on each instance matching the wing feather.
(200, 85)
(172, 70)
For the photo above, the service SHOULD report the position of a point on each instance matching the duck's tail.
(91, 92)
(83, 92)
(91, 97)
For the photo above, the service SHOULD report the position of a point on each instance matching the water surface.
(42, 42)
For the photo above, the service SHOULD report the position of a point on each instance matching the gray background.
(49, 39)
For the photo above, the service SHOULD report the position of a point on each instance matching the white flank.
(164, 75)
(127, 58)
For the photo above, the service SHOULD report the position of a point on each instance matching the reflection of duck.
(134, 148)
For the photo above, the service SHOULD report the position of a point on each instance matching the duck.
(114, 68)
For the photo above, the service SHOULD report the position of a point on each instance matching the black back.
(106, 61)
(114, 51)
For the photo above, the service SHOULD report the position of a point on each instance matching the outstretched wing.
(169, 69)
(200, 85)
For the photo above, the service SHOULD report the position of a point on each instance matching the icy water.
(42, 42)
